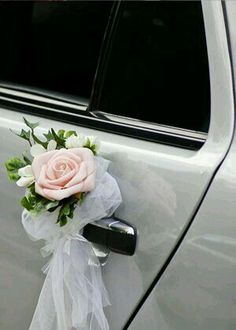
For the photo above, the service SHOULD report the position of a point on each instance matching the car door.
(162, 106)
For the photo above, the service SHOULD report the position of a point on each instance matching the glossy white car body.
(164, 189)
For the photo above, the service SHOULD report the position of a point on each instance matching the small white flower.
(75, 141)
(94, 142)
(26, 176)
(38, 149)
(52, 145)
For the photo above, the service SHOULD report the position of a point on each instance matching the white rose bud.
(75, 141)
(94, 142)
(26, 176)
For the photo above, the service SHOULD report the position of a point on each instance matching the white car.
(154, 81)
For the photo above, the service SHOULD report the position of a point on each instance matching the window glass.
(158, 65)
(52, 45)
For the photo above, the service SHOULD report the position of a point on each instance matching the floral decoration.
(57, 172)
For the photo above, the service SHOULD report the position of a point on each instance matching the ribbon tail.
(73, 294)
(84, 286)
(50, 312)
(45, 313)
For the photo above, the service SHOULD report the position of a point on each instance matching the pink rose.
(62, 173)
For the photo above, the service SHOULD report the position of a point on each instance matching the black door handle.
(117, 235)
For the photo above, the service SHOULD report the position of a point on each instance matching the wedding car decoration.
(67, 186)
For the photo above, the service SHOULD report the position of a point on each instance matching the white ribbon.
(73, 295)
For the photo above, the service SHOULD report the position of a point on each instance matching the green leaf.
(61, 133)
(87, 143)
(32, 200)
(49, 136)
(70, 133)
(13, 176)
(37, 140)
(13, 165)
(60, 141)
(93, 149)
(63, 221)
(37, 204)
(26, 159)
(72, 208)
(32, 126)
(26, 204)
(31, 190)
(67, 210)
(39, 207)
(23, 134)
(51, 205)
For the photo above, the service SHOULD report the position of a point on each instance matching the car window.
(52, 45)
(157, 69)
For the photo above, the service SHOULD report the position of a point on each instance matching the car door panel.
(161, 188)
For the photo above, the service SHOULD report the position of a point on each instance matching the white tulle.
(73, 295)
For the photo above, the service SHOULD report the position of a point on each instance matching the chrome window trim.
(69, 112)
(149, 125)
(40, 98)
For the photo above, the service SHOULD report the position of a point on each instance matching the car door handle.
(117, 235)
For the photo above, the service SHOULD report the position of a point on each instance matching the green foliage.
(32, 126)
(30, 133)
(26, 204)
(48, 136)
(26, 159)
(37, 204)
(88, 144)
(38, 141)
(13, 165)
(61, 133)
(59, 140)
(24, 135)
(70, 133)
(67, 210)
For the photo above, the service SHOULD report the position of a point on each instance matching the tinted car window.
(158, 65)
(52, 45)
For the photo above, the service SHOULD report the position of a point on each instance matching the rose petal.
(64, 159)
(40, 160)
(79, 176)
(87, 156)
(57, 182)
(26, 171)
(84, 153)
(64, 154)
(55, 173)
(62, 181)
(37, 149)
(39, 190)
(89, 183)
(63, 193)
(43, 182)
